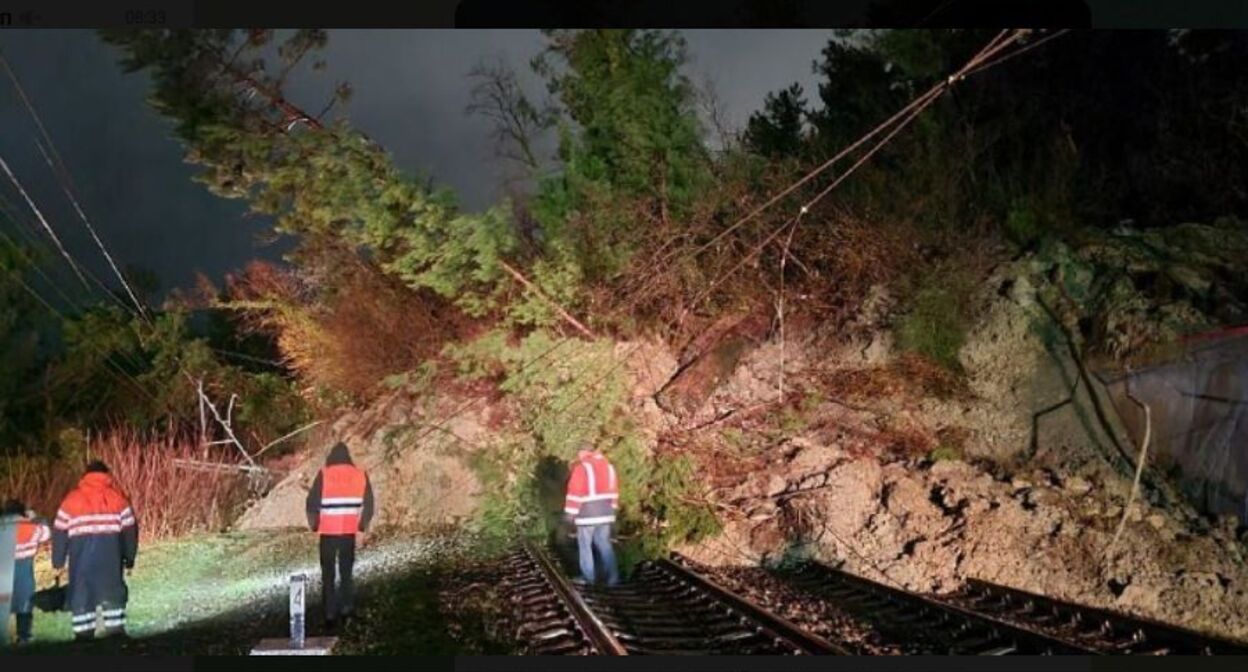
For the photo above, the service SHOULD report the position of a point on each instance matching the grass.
(938, 313)
(200, 578)
(220, 594)
(945, 453)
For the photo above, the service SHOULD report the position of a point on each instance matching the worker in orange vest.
(340, 507)
(97, 533)
(593, 495)
(31, 534)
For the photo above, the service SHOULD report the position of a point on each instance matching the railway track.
(984, 618)
(672, 607)
(665, 608)
(927, 625)
(1106, 631)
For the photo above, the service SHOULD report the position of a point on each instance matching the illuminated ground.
(220, 594)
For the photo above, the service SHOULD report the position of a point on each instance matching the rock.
(1077, 486)
(1022, 292)
(1043, 497)
(650, 364)
(765, 511)
(950, 469)
(1146, 598)
(876, 352)
(775, 485)
(766, 538)
(710, 365)
(815, 458)
(1228, 524)
(853, 493)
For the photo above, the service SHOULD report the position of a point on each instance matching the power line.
(979, 62)
(30, 233)
(42, 220)
(131, 358)
(107, 356)
(65, 178)
(910, 111)
(66, 185)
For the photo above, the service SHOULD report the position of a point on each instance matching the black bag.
(51, 599)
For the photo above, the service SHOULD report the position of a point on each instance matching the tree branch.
(541, 295)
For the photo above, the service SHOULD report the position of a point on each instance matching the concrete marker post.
(298, 644)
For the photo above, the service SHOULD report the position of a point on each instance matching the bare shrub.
(170, 501)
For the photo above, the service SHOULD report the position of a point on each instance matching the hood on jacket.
(338, 455)
(96, 480)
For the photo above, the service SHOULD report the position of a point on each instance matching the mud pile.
(416, 449)
(927, 526)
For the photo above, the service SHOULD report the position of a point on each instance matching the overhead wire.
(988, 49)
(42, 220)
(67, 187)
(999, 42)
(30, 231)
(66, 183)
(116, 369)
(898, 121)
(979, 62)
(129, 357)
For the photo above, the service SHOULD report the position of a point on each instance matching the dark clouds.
(410, 94)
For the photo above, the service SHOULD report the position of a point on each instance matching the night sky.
(410, 91)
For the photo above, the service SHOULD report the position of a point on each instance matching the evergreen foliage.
(778, 129)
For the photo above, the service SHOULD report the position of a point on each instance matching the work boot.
(25, 623)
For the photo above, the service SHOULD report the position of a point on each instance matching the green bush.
(1022, 226)
(936, 323)
(568, 392)
(944, 453)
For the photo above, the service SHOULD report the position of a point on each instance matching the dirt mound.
(926, 527)
(415, 448)
(1019, 479)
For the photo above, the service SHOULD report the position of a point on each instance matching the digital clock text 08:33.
(145, 17)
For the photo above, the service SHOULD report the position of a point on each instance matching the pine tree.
(778, 129)
(324, 183)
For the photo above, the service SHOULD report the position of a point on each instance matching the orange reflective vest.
(593, 493)
(342, 499)
(29, 535)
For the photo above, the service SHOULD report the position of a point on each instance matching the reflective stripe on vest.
(29, 535)
(594, 500)
(593, 494)
(342, 499)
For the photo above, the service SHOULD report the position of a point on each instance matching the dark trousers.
(25, 625)
(24, 597)
(337, 553)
